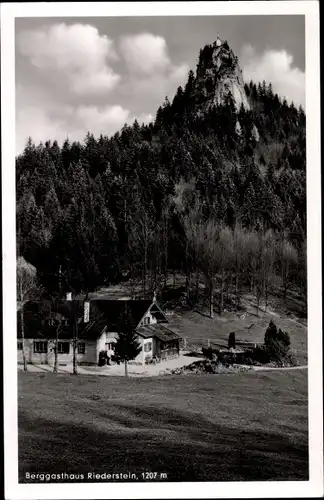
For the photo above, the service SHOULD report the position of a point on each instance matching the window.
(19, 345)
(40, 347)
(81, 348)
(148, 347)
(63, 348)
(147, 320)
(110, 346)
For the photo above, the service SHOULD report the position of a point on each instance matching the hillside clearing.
(199, 328)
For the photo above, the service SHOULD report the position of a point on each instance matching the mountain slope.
(119, 205)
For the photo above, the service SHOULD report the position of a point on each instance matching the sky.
(75, 75)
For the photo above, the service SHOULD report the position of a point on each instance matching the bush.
(271, 333)
(261, 355)
(210, 353)
(277, 342)
(227, 359)
(102, 358)
(292, 360)
(231, 340)
(256, 356)
(209, 368)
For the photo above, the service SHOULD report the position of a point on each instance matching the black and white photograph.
(161, 250)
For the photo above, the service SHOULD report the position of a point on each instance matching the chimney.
(154, 297)
(86, 312)
(69, 296)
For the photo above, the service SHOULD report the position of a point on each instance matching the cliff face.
(218, 74)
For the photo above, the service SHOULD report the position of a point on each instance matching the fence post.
(185, 343)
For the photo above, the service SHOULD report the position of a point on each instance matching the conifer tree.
(127, 346)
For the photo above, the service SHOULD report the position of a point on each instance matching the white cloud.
(60, 84)
(145, 53)
(144, 118)
(77, 53)
(34, 122)
(275, 67)
(153, 89)
(179, 74)
(43, 119)
(146, 56)
(100, 119)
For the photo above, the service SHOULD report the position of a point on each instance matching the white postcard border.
(311, 488)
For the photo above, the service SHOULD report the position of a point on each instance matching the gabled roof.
(113, 310)
(158, 331)
(103, 314)
(158, 313)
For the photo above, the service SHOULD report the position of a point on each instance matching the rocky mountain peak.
(219, 74)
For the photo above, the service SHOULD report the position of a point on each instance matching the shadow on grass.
(186, 446)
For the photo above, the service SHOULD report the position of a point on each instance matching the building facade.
(94, 332)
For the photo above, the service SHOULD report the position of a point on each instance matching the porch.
(166, 342)
(169, 350)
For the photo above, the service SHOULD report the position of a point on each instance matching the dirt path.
(149, 371)
(162, 368)
(280, 368)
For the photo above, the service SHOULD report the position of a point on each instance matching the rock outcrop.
(219, 75)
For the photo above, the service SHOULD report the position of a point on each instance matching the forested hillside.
(216, 191)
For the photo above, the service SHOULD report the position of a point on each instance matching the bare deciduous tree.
(269, 257)
(192, 227)
(224, 253)
(239, 237)
(28, 288)
(52, 309)
(208, 241)
(140, 241)
(288, 257)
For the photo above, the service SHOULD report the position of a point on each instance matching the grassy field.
(249, 426)
(198, 328)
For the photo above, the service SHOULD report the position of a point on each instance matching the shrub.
(102, 358)
(209, 353)
(231, 340)
(277, 342)
(271, 333)
(256, 356)
(209, 368)
(292, 360)
(261, 354)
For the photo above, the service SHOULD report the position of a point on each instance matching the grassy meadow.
(198, 328)
(242, 427)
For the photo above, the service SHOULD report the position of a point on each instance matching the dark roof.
(46, 332)
(35, 312)
(113, 311)
(103, 314)
(158, 331)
